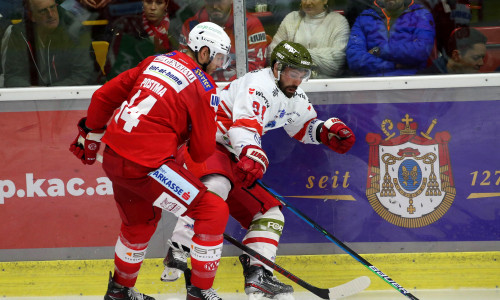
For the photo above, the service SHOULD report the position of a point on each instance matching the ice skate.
(194, 293)
(260, 283)
(175, 262)
(123, 293)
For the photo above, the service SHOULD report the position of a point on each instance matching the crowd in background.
(85, 42)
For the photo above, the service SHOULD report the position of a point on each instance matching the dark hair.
(464, 38)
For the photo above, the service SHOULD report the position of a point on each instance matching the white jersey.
(253, 104)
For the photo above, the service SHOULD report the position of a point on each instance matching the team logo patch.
(203, 79)
(410, 182)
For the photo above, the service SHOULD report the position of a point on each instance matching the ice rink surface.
(461, 294)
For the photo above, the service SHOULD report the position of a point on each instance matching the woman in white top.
(323, 32)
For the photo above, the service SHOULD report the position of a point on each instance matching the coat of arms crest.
(410, 182)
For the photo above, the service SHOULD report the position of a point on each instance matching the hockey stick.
(329, 236)
(347, 289)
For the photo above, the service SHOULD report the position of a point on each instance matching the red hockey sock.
(206, 251)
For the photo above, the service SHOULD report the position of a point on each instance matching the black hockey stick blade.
(336, 241)
(347, 289)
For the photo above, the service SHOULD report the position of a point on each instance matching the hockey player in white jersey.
(250, 106)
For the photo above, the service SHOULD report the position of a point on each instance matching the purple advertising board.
(418, 172)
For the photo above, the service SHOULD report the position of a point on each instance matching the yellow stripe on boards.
(447, 270)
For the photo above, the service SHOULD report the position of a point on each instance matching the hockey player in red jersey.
(221, 13)
(250, 106)
(152, 109)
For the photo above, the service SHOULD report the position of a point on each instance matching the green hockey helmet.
(293, 55)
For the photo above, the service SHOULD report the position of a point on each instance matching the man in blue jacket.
(395, 37)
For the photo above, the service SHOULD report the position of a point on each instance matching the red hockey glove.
(252, 165)
(337, 136)
(87, 143)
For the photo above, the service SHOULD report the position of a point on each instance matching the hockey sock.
(128, 261)
(206, 252)
(183, 231)
(264, 234)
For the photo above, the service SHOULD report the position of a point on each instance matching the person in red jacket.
(152, 109)
(221, 13)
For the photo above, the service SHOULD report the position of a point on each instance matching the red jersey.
(256, 42)
(163, 102)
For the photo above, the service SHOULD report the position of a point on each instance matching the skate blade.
(170, 275)
(255, 296)
(285, 296)
(260, 296)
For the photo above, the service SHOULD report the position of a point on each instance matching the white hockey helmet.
(211, 35)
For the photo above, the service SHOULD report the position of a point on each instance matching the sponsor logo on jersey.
(166, 72)
(311, 131)
(410, 180)
(257, 38)
(214, 101)
(271, 124)
(154, 86)
(258, 140)
(203, 79)
(261, 95)
(301, 95)
(281, 113)
(179, 67)
(251, 91)
(175, 183)
(168, 75)
(170, 204)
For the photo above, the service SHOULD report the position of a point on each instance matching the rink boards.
(423, 180)
(414, 271)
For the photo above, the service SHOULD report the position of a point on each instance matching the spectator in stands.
(109, 10)
(136, 37)
(323, 32)
(47, 49)
(389, 40)
(465, 52)
(220, 12)
(448, 15)
(355, 8)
